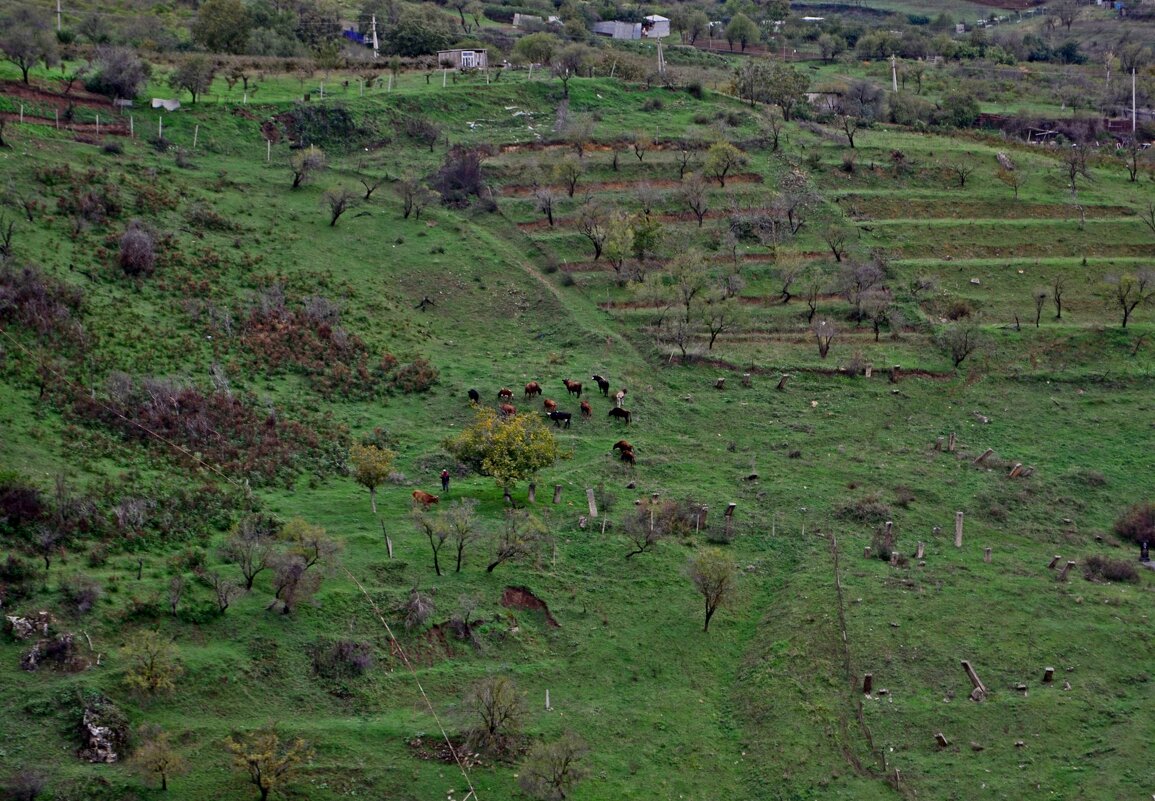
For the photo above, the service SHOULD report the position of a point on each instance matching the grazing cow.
(424, 498)
(560, 417)
(619, 396)
(620, 414)
(505, 394)
(474, 396)
(622, 445)
(507, 410)
(573, 387)
(550, 405)
(603, 385)
(532, 388)
(627, 456)
(587, 410)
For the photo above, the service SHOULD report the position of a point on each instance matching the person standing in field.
(445, 480)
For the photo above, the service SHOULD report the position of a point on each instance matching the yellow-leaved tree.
(511, 449)
(371, 468)
(270, 761)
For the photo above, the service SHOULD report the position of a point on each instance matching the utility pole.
(373, 33)
(661, 61)
(1133, 106)
(894, 73)
(58, 12)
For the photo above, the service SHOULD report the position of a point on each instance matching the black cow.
(560, 417)
(621, 414)
(474, 396)
(603, 385)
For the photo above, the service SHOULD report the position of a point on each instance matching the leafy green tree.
(222, 26)
(194, 75)
(151, 663)
(831, 46)
(509, 449)
(155, 756)
(713, 574)
(417, 34)
(27, 39)
(959, 109)
(687, 278)
(270, 761)
(722, 159)
(118, 73)
(371, 468)
(741, 29)
(536, 48)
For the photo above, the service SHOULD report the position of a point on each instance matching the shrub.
(341, 659)
(137, 255)
(1137, 523)
(1102, 568)
(653, 104)
(694, 89)
(112, 147)
(868, 509)
(82, 593)
(460, 176)
(417, 376)
(25, 784)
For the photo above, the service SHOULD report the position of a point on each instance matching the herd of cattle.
(560, 419)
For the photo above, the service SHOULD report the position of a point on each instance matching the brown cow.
(627, 456)
(424, 498)
(532, 388)
(505, 394)
(507, 410)
(550, 405)
(587, 410)
(620, 414)
(622, 445)
(573, 387)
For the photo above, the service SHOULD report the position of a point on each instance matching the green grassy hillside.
(275, 325)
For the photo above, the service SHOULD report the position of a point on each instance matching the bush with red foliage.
(1137, 523)
(41, 303)
(227, 430)
(309, 339)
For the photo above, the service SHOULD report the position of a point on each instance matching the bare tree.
(648, 197)
(7, 228)
(176, 589)
(579, 131)
(837, 238)
(461, 521)
(1147, 215)
(1075, 165)
(683, 158)
(772, 123)
(339, 201)
(824, 333)
(418, 609)
(694, 191)
(720, 314)
(498, 709)
(812, 285)
(435, 531)
(857, 279)
(642, 142)
(545, 198)
(961, 171)
(1014, 178)
(250, 546)
(415, 196)
(569, 172)
(879, 309)
(1040, 297)
(304, 164)
(1066, 11)
(959, 341)
(551, 769)
(225, 591)
(592, 224)
(371, 183)
(714, 574)
(1057, 286)
(521, 536)
(1129, 155)
(1129, 292)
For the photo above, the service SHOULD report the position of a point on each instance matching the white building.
(656, 27)
(619, 30)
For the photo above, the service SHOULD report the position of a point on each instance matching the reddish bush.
(1137, 523)
(137, 255)
(34, 300)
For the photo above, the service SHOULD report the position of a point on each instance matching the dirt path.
(525, 190)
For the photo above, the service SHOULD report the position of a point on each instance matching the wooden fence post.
(593, 504)
(557, 493)
(958, 529)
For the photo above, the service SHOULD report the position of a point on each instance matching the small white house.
(656, 27)
(463, 59)
(619, 30)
